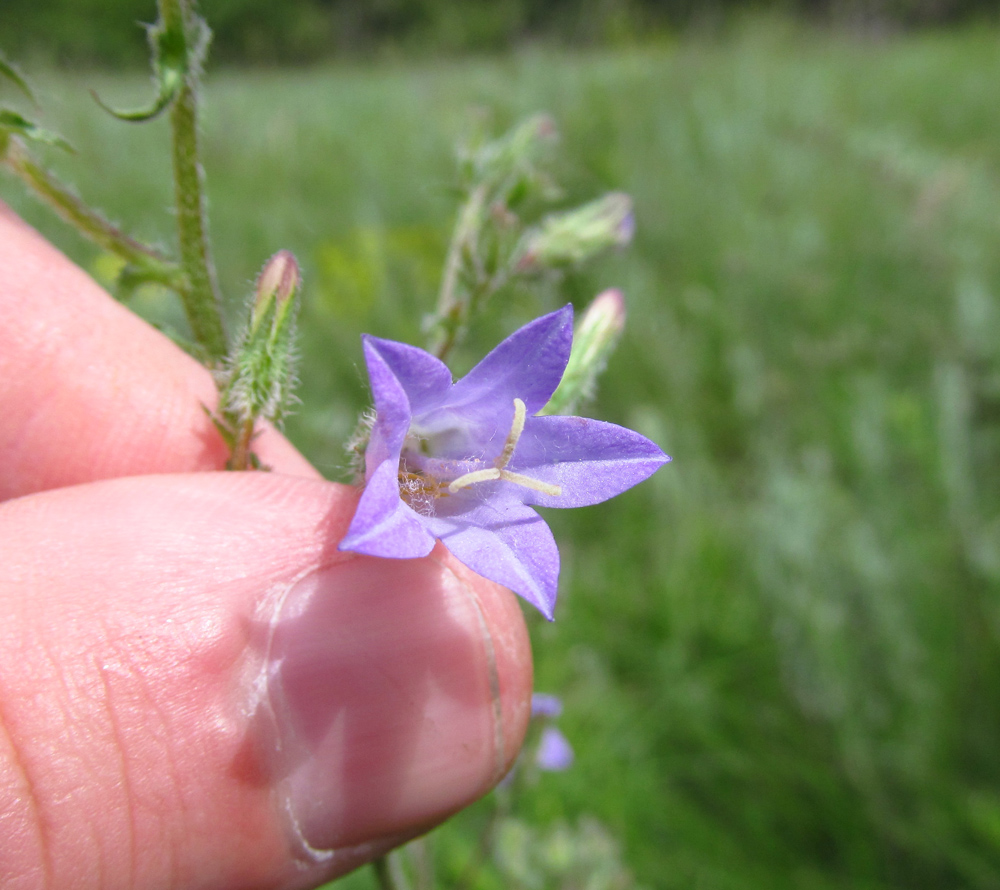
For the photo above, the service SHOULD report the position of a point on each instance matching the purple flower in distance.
(554, 753)
(466, 462)
(544, 704)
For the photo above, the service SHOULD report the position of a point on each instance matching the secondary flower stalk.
(465, 462)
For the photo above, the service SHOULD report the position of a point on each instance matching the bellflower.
(466, 462)
(554, 752)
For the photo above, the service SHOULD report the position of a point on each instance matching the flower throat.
(419, 489)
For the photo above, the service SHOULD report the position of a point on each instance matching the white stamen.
(474, 477)
(498, 471)
(534, 484)
(516, 428)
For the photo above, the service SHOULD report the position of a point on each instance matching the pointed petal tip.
(564, 315)
(543, 600)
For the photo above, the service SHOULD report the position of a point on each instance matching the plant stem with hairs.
(200, 292)
(155, 265)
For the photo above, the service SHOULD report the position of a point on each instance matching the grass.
(779, 657)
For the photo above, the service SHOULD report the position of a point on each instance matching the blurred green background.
(301, 31)
(780, 657)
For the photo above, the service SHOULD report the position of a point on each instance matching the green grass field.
(781, 657)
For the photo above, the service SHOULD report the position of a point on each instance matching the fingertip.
(223, 686)
(401, 691)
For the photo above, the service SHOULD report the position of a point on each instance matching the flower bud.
(594, 339)
(278, 282)
(260, 373)
(598, 331)
(572, 237)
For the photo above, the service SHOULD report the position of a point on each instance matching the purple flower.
(465, 462)
(544, 704)
(554, 753)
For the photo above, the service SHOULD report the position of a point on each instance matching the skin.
(146, 598)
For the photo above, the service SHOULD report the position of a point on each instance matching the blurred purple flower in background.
(543, 704)
(465, 462)
(554, 752)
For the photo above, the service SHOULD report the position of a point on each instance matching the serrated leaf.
(11, 73)
(14, 123)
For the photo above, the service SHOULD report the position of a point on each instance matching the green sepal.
(222, 425)
(12, 74)
(178, 53)
(14, 124)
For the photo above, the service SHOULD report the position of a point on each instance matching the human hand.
(197, 689)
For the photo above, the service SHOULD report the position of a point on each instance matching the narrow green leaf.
(172, 61)
(13, 123)
(169, 86)
(11, 73)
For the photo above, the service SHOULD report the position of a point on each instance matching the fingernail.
(383, 683)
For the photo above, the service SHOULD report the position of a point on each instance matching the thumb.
(197, 690)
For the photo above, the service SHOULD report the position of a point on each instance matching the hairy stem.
(453, 308)
(241, 458)
(386, 876)
(87, 220)
(200, 296)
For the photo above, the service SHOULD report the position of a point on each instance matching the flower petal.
(383, 525)
(392, 411)
(590, 460)
(425, 379)
(528, 365)
(507, 543)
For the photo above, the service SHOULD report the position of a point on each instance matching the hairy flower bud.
(594, 339)
(572, 237)
(259, 377)
(277, 283)
(598, 331)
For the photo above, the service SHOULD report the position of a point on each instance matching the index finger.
(88, 390)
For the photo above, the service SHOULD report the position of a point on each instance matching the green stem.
(172, 13)
(241, 459)
(200, 297)
(384, 874)
(86, 220)
(452, 309)
(504, 799)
